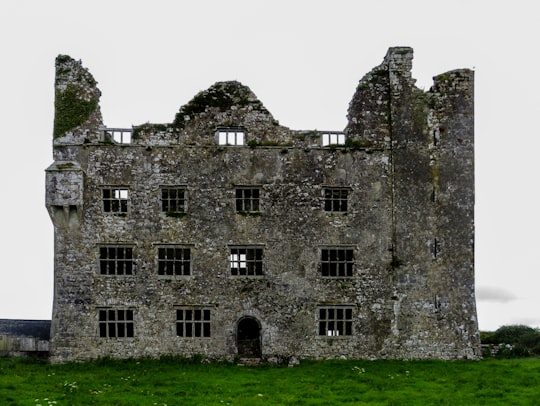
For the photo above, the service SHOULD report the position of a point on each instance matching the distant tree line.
(514, 341)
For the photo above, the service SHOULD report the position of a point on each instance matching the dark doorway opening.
(248, 338)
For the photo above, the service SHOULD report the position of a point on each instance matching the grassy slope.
(179, 382)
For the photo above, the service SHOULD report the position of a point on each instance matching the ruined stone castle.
(229, 235)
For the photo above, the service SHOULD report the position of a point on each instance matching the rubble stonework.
(288, 246)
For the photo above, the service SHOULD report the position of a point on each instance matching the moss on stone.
(71, 110)
(357, 144)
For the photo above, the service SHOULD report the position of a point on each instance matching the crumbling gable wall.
(405, 169)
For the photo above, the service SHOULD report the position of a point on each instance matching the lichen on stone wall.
(150, 128)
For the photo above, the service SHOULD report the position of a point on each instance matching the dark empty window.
(173, 200)
(337, 262)
(335, 199)
(174, 261)
(115, 200)
(246, 261)
(335, 321)
(247, 199)
(116, 323)
(115, 260)
(193, 322)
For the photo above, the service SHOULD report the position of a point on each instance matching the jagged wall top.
(76, 99)
(388, 107)
(374, 113)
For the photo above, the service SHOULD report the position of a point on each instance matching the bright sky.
(303, 59)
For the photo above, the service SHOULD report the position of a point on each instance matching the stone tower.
(226, 234)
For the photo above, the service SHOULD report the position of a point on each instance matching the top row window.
(226, 136)
(332, 139)
(230, 137)
(119, 135)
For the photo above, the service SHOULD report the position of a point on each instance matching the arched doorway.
(248, 338)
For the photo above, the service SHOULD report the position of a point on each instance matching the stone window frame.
(337, 261)
(247, 199)
(336, 199)
(231, 136)
(329, 138)
(110, 265)
(246, 260)
(118, 135)
(116, 323)
(334, 321)
(193, 321)
(180, 203)
(115, 199)
(182, 264)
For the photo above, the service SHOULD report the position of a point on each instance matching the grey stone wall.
(407, 165)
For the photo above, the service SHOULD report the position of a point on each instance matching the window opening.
(247, 199)
(246, 261)
(336, 199)
(174, 261)
(115, 200)
(173, 200)
(332, 138)
(119, 135)
(116, 323)
(337, 262)
(116, 260)
(335, 321)
(230, 137)
(435, 248)
(193, 322)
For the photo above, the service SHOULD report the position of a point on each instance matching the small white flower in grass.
(359, 370)
(259, 394)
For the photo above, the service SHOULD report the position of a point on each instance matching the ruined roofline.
(230, 104)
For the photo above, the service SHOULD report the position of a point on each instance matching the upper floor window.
(337, 262)
(116, 323)
(116, 260)
(246, 261)
(335, 321)
(173, 200)
(230, 137)
(115, 199)
(336, 199)
(119, 135)
(193, 322)
(332, 138)
(174, 261)
(247, 199)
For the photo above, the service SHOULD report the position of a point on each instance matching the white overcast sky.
(303, 59)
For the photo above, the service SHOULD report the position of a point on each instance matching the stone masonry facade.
(226, 234)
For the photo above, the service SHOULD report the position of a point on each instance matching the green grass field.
(172, 381)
